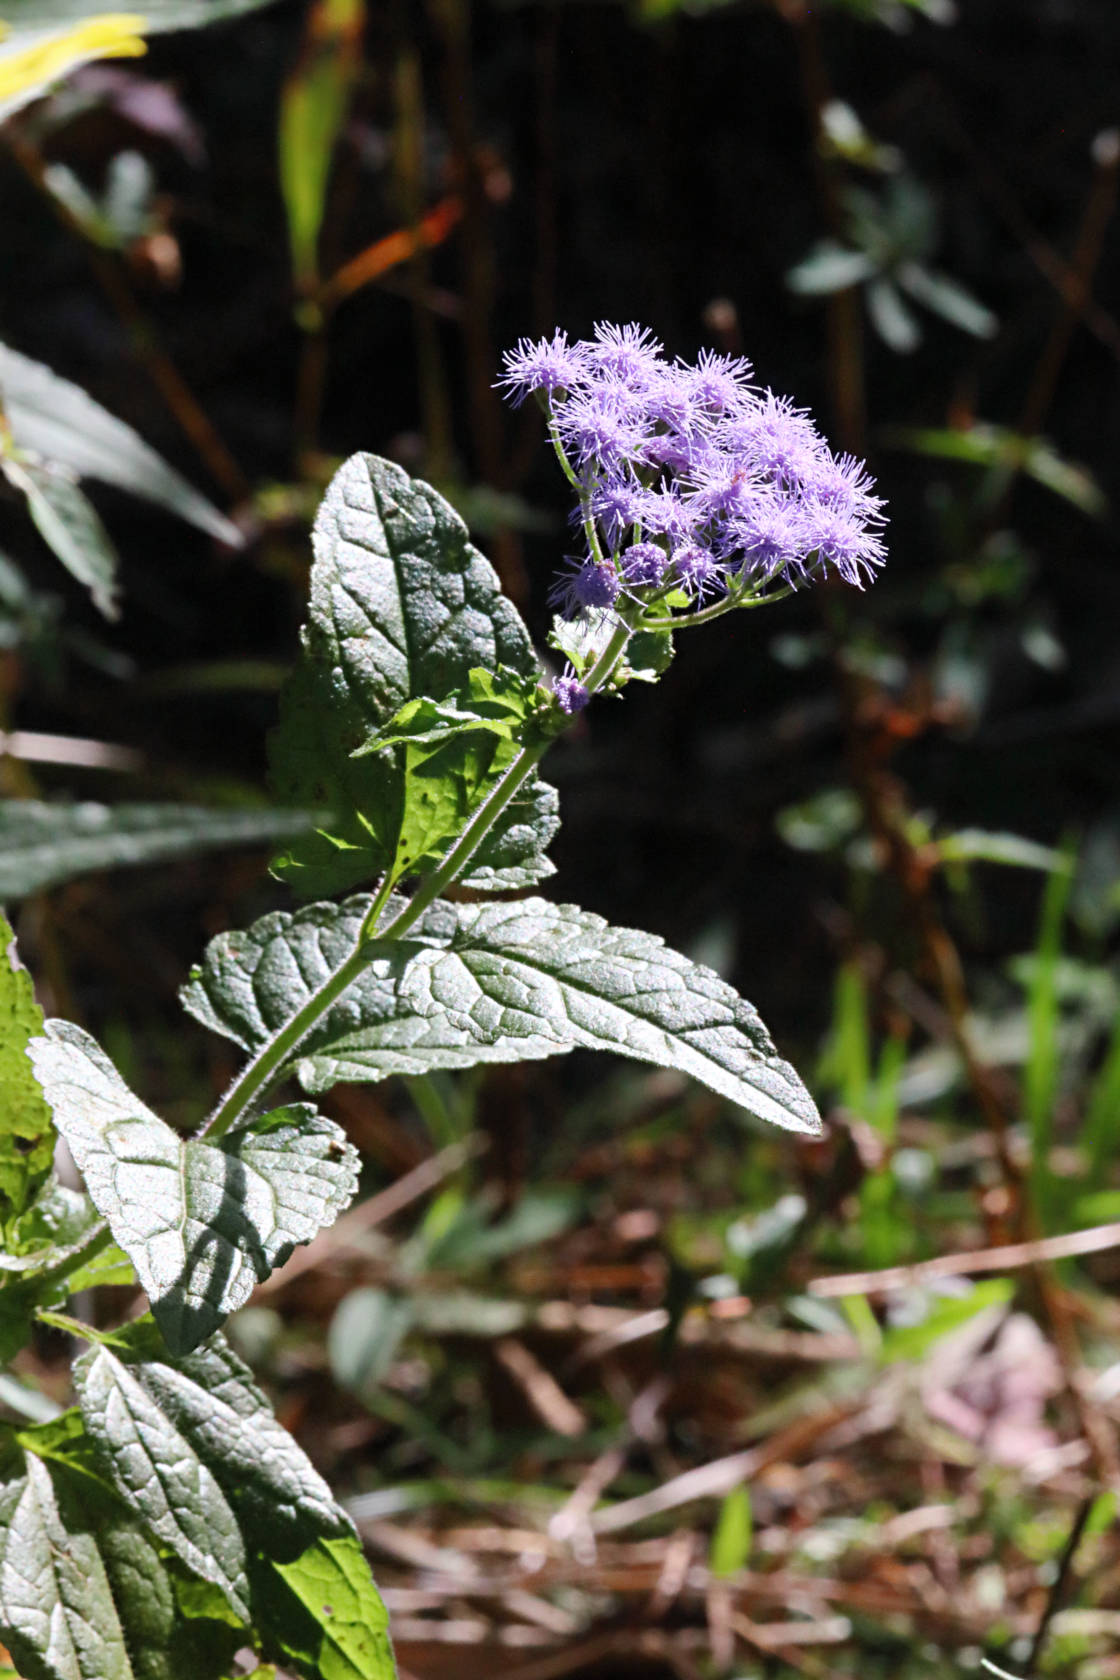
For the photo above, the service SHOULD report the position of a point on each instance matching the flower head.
(588, 586)
(643, 565)
(689, 460)
(570, 693)
(550, 365)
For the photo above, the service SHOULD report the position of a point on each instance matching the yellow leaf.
(25, 71)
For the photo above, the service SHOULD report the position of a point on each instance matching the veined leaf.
(158, 1474)
(281, 1502)
(455, 750)
(497, 703)
(402, 606)
(202, 1223)
(335, 1622)
(313, 1601)
(493, 983)
(71, 527)
(84, 1591)
(26, 1131)
(59, 422)
(42, 844)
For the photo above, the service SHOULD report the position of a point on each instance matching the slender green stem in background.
(271, 1059)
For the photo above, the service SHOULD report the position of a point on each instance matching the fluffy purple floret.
(570, 693)
(643, 565)
(587, 587)
(696, 569)
(551, 365)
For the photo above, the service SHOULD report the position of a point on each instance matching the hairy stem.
(270, 1060)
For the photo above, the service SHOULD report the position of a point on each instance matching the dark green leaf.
(401, 607)
(26, 1132)
(829, 268)
(60, 423)
(42, 844)
(649, 654)
(69, 524)
(111, 1588)
(159, 1476)
(202, 1223)
(493, 983)
(948, 299)
(513, 853)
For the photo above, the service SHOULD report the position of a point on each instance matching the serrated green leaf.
(493, 983)
(455, 750)
(202, 1223)
(59, 1618)
(159, 1476)
(498, 703)
(42, 844)
(281, 1501)
(402, 606)
(60, 423)
(192, 1448)
(343, 1631)
(26, 1131)
(649, 654)
(69, 524)
(85, 1593)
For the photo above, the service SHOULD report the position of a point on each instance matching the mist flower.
(689, 476)
(571, 696)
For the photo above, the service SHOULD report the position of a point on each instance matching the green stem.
(272, 1056)
(686, 621)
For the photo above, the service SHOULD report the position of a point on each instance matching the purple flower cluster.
(688, 477)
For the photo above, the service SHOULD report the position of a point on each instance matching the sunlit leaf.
(402, 607)
(57, 421)
(202, 1223)
(28, 67)
(493, 983)
(312, 110)
(70, 525)
(26, 1131)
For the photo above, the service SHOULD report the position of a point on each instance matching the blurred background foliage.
(893, 820)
